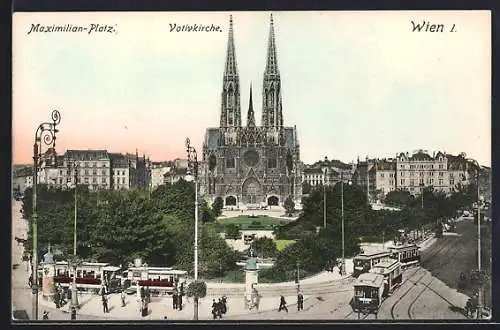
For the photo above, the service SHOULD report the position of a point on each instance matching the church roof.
(85, 155)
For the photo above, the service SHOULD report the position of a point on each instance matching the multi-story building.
(22, 178)
(413, 173)
(97, 169)
(158, 171)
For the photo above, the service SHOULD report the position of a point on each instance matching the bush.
(197, 289)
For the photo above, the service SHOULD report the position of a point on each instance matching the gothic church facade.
(251, 166)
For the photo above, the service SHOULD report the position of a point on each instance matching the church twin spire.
(271, 109)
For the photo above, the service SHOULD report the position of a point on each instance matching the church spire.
(230, 68)
(272, 59)
(250, 116)
(272, 115)
(230, 108)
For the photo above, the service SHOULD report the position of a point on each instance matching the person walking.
(282, 305)
(144, 308)
(300, 301)
(219, 309)
(175, 301)
(45, 315)
(122, 296)
(105, 303)
(179, 301)
(73, 313)
(214, 309)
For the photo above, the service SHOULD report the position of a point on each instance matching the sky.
(355, 84)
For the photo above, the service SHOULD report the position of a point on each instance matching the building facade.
(326, 173)
(413, 173)
(97, 169)
(251, 166)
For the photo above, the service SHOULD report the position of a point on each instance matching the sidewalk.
(160, 307)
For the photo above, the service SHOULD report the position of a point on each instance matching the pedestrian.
(179, 301)
(105, 304)
(122, 296)
(57, 299)
(282, 305)
(175, 300)
(300, 301)
(219, 308)
(224, 305)
(143, 293)
(144, 308)
(73, 313)
(45, 315)
(214, 309)
(30, 281)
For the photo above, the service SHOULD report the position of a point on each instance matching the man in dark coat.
(175, 300)
(105, 303)
(179, 301)
(300, 301)
(219, 309)
(282, 305)
(214, 309)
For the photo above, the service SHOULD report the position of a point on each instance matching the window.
(402, 173)
(271, 163)
(441, 174)
(86, 172)
(452, 182)
(60, 172)
(411, 173)
(123, 180)
(103, 172)
(104, 180)
(94, 172)
(402, 181)
(381, 175)
(421, 173)
(94, 164)
(86, 180)
(230, 162)
(432, 181)
(440, 166)
(421, 181)
(123, 173)
(440, 182)
(94, 180)
(412, 182)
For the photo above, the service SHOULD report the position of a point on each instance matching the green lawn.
(249, 222)
(281, 244)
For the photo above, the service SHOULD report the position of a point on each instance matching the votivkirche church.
(251, 166)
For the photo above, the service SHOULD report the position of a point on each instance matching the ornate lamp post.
(45, 134)
(480, 291)
(74, 290)
(342, 210)
(193, 166)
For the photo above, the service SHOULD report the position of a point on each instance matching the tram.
(390, 269)
(365, 261)
(158, 279)
(407, 254)
(89, 275)
(368, 292)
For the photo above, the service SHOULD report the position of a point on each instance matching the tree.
(217, 206)
(289, 205)
(399, 198)
(233, 231)
(265, 247)
(197, 289)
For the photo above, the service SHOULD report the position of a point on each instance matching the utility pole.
(324, 197)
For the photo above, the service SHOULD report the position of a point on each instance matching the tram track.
(426, 262)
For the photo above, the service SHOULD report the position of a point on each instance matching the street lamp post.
(480, 291)
(74, 290)
(342, 210)
(46, 133)
(324, 197)
(193, 166)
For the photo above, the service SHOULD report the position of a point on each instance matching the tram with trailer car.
(390, 269)
(365, 261)
(160, 280)
(407, 254)
(368, 292)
